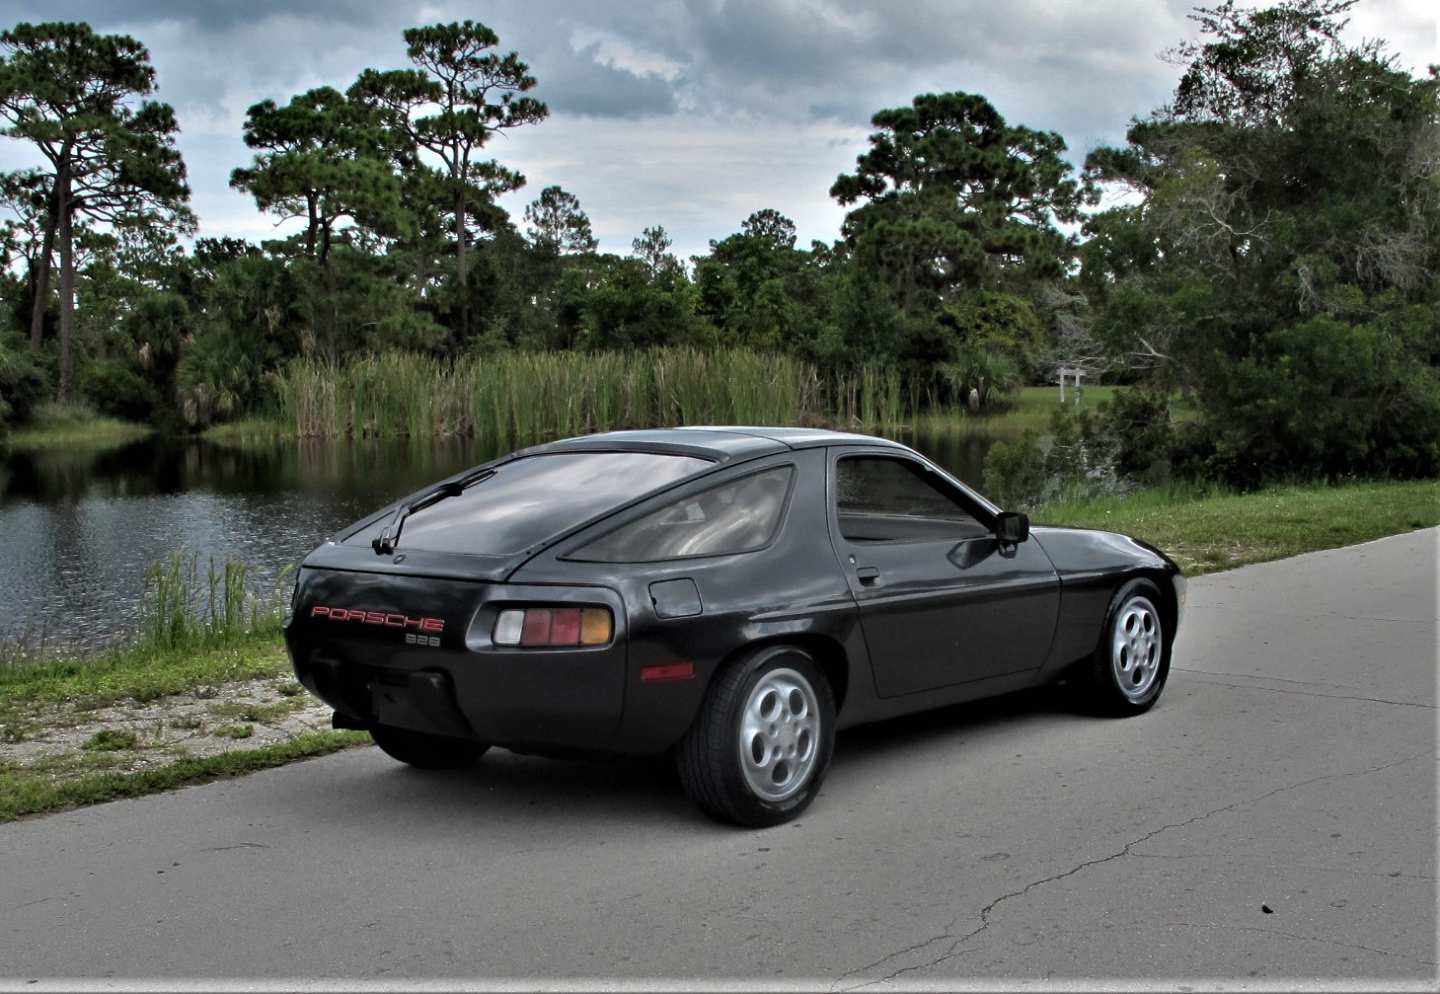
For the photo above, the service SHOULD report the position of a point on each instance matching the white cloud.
(687, 113)
(699, 176)
(1412, 27)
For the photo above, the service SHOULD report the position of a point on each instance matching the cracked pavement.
(1273, 821)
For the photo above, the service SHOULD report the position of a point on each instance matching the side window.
(897, 500)
(739, 516)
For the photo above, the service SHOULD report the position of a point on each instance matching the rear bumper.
(423, 700)
(471, 698)
(466, 686)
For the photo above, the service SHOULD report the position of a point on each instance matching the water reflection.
(80, 525)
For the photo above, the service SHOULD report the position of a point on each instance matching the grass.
(523, 397)
(530, 396)
(1030, 407)
(259, 714)
(247, 430)
(1033, 405)
(138, 672)
(183, 609)
(111, 740)
(196, 630)
(1205, 530)
(73, 425)
(200, 630)
(28, 791)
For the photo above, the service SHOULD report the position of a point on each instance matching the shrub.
(1325, 398)
(115, 389)
(993, 376)
(1124, 443)
(23, 387)
(55, 414)
(1014, 472)
(220, 375)
(1139, 424)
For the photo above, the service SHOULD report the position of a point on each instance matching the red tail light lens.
(565, 627)
(537, 627)
(532, 627)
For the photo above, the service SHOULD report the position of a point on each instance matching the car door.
(941, 601)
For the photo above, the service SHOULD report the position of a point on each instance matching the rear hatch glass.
(531, 499)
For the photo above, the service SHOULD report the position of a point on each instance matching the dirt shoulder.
(137, 730)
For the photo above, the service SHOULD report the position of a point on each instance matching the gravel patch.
(65, 739)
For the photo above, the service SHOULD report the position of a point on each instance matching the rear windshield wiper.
(389, 535)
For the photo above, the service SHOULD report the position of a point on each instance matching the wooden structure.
(1078, 374)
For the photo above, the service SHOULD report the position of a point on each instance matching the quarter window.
(739, 516)
(898, 500)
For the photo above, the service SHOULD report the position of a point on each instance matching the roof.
(799, 438)
(721, 443)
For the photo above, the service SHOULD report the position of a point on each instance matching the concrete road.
(1272, 821)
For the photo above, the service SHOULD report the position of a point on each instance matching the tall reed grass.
(531, 396)
(185, 609)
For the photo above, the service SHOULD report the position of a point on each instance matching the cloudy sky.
(686, 113)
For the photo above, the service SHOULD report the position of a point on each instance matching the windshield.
(531, 499)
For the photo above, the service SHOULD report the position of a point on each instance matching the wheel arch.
(827, 652)
(1169, 607)
(1079, 649)
(1157, 578)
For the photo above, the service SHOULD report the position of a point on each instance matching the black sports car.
(730, 596)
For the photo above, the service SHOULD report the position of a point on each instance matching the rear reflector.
(532, 627)
(667, 672)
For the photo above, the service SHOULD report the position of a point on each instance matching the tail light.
(533, 627)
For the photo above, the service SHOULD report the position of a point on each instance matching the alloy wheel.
(1136, 647)
(779, 734)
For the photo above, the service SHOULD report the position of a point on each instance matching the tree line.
(1267, 243)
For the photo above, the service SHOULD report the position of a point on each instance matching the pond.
(78, 527)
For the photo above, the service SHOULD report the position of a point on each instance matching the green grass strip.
(140, 674)
(1207, 530)
(82, 431)
(248, 431)
(27, 793)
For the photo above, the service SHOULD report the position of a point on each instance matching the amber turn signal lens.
(596, 626)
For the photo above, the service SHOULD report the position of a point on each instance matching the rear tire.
(761, 744)
(1132, 662)
(426, 752)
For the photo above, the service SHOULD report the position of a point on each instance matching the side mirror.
(1012, 527)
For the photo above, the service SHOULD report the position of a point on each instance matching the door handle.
(867, 574)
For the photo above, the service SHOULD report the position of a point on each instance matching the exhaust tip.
(344, 721)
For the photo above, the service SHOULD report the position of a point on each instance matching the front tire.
(1132, 662)
(761, 745)
(426, 752)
